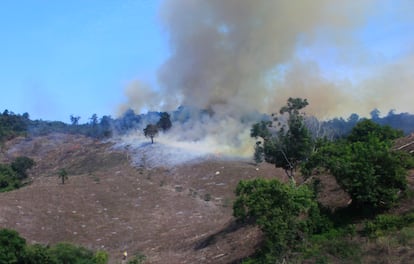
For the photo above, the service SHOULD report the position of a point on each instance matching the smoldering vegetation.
(230, 61)
(195, 135)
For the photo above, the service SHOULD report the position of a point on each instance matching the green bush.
(69, 253)
(405, 236)
(11, 246)
(334, 243)
(20, 165)
(13, 250)
(8, 178)
(101, 257)
(138, 258)
(11, 176)
(38, 254)
(385, 223)
(285, 213)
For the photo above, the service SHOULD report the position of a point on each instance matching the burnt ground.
(180, 214)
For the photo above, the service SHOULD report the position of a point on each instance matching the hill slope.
(180, 214)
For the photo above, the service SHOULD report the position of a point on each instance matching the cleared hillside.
(180, 214)
(171, 214)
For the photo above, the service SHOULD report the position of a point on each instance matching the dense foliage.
(14, 250)
(11, 246)
(365, 165)
(290, 144)
(20, 165)
(285, 213)
(12, 175)
(12, 125)
(165, 122)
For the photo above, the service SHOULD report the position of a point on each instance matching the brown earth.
(405, 143)
(179, 214)
(171, 215)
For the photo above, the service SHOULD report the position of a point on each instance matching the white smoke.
(236, 57)
(190, 142)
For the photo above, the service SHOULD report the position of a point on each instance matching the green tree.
(12, 125)
(258, 152)
(94, 120)
(38, 254)
(365, 166)
(105, 126)
(67, 253)
(151, 131)
(21, 164)
(11, 246)
(74, 120)
(165, 122)
(366, 129)
(290, 144)
(63, 175)
(283, 212)
(261, 130)
(8, 178)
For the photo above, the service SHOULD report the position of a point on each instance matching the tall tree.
(151, 131)
(74, 120)
(291, 143)
(94, 119)
(165, 122)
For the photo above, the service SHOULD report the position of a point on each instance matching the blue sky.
(59, 58)
(75, 57)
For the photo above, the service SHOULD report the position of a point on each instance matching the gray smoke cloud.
(226, 55)
(224, 52)
(234, 57)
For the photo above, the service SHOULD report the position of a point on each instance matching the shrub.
(207, 197)
(11, 246)
(283, 212)
(38, 254)
(69, 253)
(8, 178)
(20, 165)
(336, 242)
(139, 258)
(101, 257)
(385, 223)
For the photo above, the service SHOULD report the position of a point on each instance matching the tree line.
(12, 125)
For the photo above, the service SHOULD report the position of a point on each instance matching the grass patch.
(331, 245)
(406, 236)
(385, 223)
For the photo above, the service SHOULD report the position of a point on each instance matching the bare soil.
(180, 214)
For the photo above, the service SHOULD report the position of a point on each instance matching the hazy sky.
(81, 57)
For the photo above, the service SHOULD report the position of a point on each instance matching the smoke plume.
(235, 57)
(224, 52)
